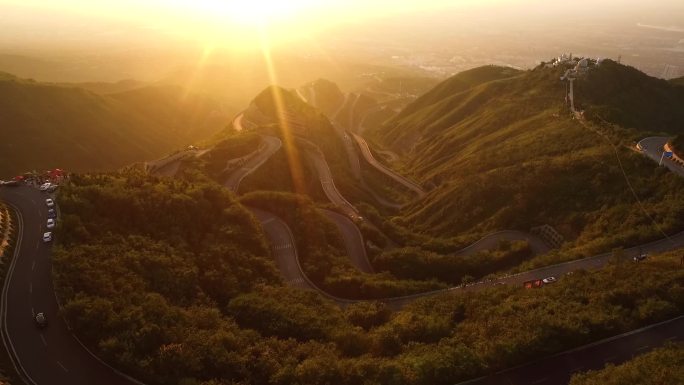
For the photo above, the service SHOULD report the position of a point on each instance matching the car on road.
(49, 202)
(47, 237)
(50, 223)
(41, 320)
(640, 257)
(10, 183)
(549, 280)
(45, 186)
(52, 188)
(52, 213)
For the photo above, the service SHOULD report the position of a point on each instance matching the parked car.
(548, 280)
(52, 213)
(47, 237)
(10, 183)
(52, 188)
(49, 202)
(50, 223)
(41, 320)
(44, 186)
(640, 257)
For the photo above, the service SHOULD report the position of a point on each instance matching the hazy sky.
(240, 23)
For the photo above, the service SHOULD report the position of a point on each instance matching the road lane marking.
(33, 265)
(42, 337)
(37, 245)
(33, 312)
(62, 366)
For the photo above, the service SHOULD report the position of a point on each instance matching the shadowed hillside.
(629, 98)
(328, 95)
(54, 126)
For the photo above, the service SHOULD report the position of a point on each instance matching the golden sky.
(245, 23)
(233, 22)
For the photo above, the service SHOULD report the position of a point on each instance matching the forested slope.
(171, 282)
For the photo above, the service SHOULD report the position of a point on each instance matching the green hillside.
(678, 81)
(459, 83)
(627, 97)
(302, 120)
(664, 365)
(507, 154)
(47, 126)
(108, 88)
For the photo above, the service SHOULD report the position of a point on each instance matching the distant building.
(582, 66)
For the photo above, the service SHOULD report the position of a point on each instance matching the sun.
(254, 13)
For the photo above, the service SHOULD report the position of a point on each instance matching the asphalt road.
(49, 356)
(283, 247)
(269, 146)
(237, 122)
(368, 156)
(553, 370)
(352, 156)
(317, 158)
(559, 368)
(350, 149)
(491, 241)
(653, 148)
(353, 240)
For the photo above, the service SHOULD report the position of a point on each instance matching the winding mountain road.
(317, 159)
(353, 240)
(269, 146)
(53, 355)
(653, 147)
(559, 368)
(368, 156)
(284, 248)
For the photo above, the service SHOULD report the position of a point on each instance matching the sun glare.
(251, 12)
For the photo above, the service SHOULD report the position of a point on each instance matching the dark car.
(41, 320)
(52, 213)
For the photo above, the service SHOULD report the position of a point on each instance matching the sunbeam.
(293, 155)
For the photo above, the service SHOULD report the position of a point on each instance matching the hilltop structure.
(578, 67)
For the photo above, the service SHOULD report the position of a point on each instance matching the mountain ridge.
(47, 125)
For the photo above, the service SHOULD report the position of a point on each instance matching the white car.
(47, 237)
(49, 202)
(45, 186)
(50, 223)
(548, 280)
